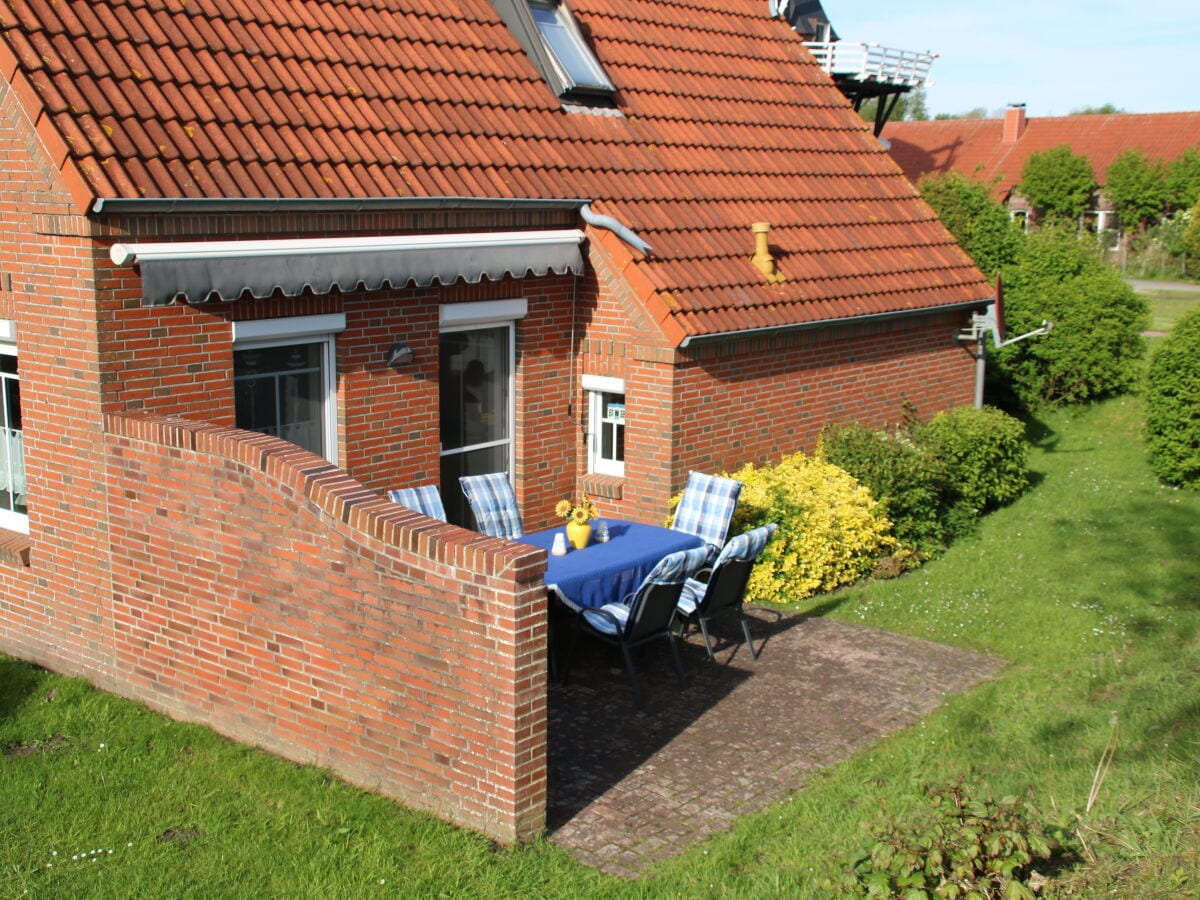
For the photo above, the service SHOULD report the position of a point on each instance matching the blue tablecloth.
(604, 573)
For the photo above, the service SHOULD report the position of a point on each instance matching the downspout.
(608, 223)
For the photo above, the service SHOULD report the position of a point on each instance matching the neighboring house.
(994, 151)
(265, 262)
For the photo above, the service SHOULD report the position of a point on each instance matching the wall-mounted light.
(400, 354)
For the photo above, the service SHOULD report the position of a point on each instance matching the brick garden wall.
(263, 592)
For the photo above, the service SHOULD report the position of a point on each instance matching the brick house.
(266, 262)
(994, 151)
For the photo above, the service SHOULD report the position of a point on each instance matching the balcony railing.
(871, 62)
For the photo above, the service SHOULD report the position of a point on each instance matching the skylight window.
(558, 29)
(552, 39)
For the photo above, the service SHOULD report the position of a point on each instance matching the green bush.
(901, 476)
(1173, 405)
(982, 453)
(934, 480)
(961, 847)
(1096, 348)
(831, 531)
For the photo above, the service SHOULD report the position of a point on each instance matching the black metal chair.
(645, 615)
(724, 589)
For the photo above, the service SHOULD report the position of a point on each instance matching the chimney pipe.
(762, 259)
(1014, 123)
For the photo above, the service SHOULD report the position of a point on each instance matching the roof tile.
(723, 120)
(976, 147)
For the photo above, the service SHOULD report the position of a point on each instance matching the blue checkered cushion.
(674, 568)
(747, 546)
(494, 504)
(706, 508)
(425, 499)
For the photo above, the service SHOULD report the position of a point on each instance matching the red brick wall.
(757, 400)
(286, 606)
(55, 610)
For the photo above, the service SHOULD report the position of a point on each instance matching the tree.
(981, 225)
(1137, 187)
(1183, 180)
(1058, 182)
(1191, 233)
(909, 107)
(1096, 347)
(1106, 110)
(979, 112)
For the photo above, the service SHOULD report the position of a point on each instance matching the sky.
(1055, 56)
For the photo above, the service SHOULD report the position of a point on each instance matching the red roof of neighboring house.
(725, 121)
(977, 148)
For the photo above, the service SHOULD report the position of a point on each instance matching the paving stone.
(628, 788)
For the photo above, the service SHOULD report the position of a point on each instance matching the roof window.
(548, 32)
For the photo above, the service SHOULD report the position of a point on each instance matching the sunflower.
(580, 512)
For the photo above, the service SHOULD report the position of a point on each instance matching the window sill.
(606, 487)
(14, 548)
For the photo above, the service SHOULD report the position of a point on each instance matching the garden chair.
(706, 508)
(494, 504)
(723, 587)
(645, 615)
(425, 499)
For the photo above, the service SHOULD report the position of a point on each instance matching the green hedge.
(934, 480)
(1173, 405)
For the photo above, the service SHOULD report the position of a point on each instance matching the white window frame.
(596, 386)
(12, 521)
(289, 330)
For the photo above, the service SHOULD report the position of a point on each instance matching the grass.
(1089, 586)
(1168, 306)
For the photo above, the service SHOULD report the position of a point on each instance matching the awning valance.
(228, 269)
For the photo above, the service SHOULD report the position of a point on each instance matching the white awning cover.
(229, 269)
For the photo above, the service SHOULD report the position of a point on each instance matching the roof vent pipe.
(619, 229)
(762, 259)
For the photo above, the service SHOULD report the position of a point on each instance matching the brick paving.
(629, 788)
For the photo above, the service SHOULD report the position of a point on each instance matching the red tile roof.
(976, 147)
(725, 121)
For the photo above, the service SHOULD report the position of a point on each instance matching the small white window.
(561, 35)
(606, 425)
(13, 511)
(284, 379)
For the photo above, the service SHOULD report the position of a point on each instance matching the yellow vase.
(579, 534)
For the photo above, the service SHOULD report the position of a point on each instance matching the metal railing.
(872, 62)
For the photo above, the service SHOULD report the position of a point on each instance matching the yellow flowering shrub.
(831, 531)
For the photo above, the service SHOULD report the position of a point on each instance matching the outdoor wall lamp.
(400, 354)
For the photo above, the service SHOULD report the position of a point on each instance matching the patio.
(623, 786)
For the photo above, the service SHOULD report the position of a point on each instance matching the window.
(558, 29)
(551, 38)
(284, 380)
(13, 512)
(606, 425)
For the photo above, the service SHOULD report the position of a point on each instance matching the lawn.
(1089, 585)
(1168, 306)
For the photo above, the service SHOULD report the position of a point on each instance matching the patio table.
(605, 572)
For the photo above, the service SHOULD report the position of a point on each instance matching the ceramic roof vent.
(762, 259)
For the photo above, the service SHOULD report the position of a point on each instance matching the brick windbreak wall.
(262, 592)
